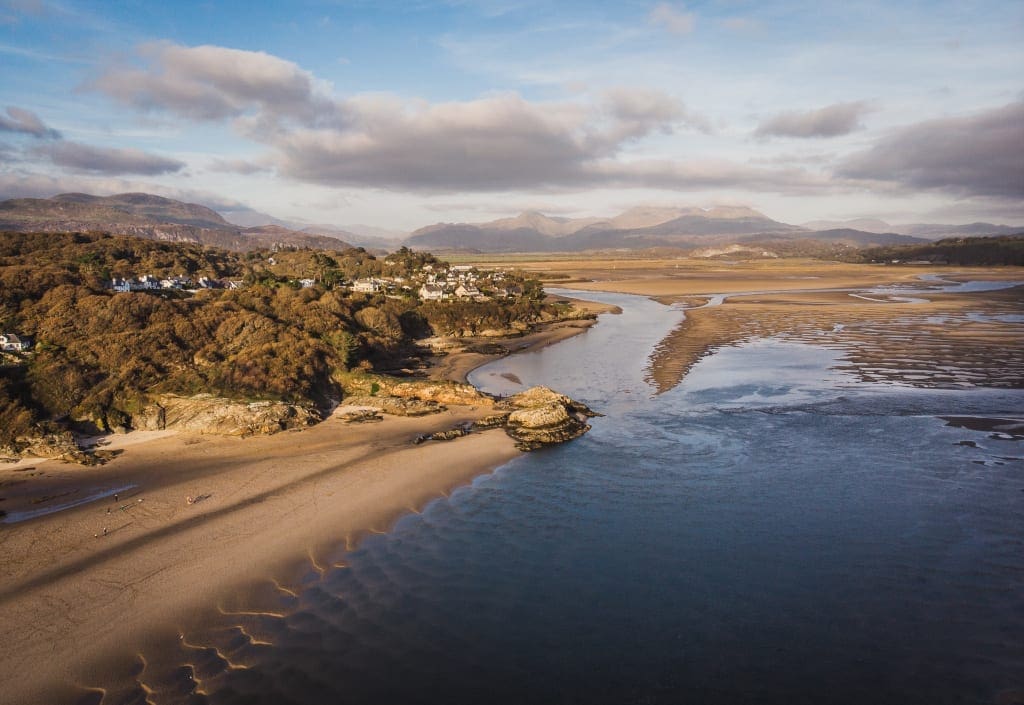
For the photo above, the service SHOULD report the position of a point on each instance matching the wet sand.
(87, 586)
(927, 340)
(934, 340)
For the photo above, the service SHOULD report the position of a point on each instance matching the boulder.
(543, 417)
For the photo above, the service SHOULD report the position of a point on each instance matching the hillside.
(148, 216)
(100, 356)
(963, 251)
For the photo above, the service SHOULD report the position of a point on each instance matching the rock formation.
(543, 417)
(205, 413)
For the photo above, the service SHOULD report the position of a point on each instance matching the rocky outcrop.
(53, 446)
(535, 418)
(396, 406)
(542, 417)
(205, 413)
(360, 416)
(441, 392)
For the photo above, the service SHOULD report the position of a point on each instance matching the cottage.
(467, 291)
(509, 291)
(122, 285)
(307, 283)
(431, 292)
(366, 286)
(12, 342)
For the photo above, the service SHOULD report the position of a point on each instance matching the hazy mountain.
(936, 231)
(135, 208)
(931, 231)
(149, 216)
(638, 228)
(481, 238)
(360, 230)
(277, 234)
(543, 224)
(248, 218)
(868, 225)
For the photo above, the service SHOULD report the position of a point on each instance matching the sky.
(403, 114)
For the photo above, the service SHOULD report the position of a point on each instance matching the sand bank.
(88, 584)
(929, 340)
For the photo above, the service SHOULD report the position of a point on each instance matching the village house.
(366, 286)
(147, 282)
(509, 292)
(307, 283)
(467, 291)
(431, 292)
(12, 342)
(179, 282)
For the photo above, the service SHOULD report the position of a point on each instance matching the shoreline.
(198, 518)
(262, 504)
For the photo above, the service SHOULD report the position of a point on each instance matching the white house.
(366, 286)
(307, 283)
(431, 292)
(12, 342)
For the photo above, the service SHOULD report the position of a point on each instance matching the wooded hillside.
(98, 355)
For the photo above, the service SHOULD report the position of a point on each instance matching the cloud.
(706, 174)
(830, 121)
(106, 160)
(237, 166)
(498, 142)
(975, 155)
(492, 143)
(638, 112)
(26, 122)
(213, 83)
(676, 21)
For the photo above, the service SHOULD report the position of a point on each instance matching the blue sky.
(400, 114)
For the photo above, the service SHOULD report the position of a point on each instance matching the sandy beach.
(85, 588)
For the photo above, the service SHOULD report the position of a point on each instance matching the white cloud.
(213, 83)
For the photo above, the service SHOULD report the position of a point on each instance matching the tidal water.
(769, 531)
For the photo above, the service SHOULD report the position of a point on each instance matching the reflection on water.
(770, 531)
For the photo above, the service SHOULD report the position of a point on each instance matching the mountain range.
(149, 216)
(643, 227)
(636, 228)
